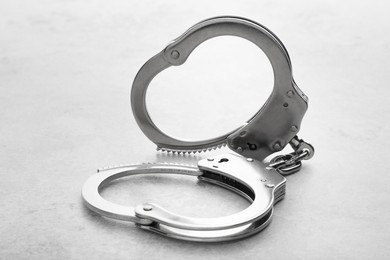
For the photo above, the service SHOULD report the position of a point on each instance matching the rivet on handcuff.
(273, 127)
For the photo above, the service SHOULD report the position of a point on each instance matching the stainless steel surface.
(65, 72)
(231, 171)
(94, 201)
(214, 235)
(268, 131)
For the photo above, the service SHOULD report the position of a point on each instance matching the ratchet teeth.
(189, 151)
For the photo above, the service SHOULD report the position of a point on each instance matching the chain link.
(291, 163)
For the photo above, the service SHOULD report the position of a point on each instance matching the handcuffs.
(273, 127)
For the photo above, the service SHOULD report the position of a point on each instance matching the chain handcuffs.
(273, 127)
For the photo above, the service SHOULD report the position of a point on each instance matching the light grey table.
(66, 69)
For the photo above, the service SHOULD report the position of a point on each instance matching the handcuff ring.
(246, 177)
(261, 135)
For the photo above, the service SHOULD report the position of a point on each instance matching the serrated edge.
(189, 151)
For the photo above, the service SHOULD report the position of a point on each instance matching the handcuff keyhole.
(223, 160)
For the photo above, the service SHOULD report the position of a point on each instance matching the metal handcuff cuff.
(273, 127)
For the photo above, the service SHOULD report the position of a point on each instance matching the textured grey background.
(66, 68)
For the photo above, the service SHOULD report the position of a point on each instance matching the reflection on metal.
(236, 173)
(274, 126)
(268, 131)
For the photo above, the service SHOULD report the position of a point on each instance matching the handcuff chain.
(291, 163)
